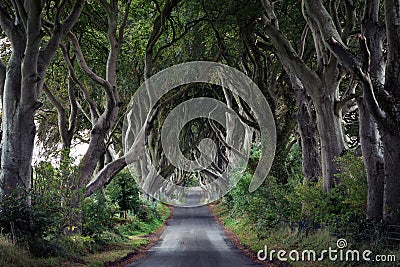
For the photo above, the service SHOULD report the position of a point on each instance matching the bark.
(322, 86)
(391, 205)
(102, 123)
(277, 92)
(18, 111)
(331, 140)
(373, 161)
(158, 29)
(104, 177)
(3, 71)
(311, 157)
(23, 84)
(391, 134)
(383, 102)
(15, 168)
(369, 135)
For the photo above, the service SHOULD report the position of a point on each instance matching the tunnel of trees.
(330, 71)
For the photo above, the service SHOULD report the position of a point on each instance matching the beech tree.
(321, 83)
(104, 176)
(380, 81)
(26, 23)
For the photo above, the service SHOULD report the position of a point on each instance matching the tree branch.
(105, 176)
(158, 30)
(335, 44)
(58, 33)
(290, 59)
(82, 63)
(124, 21)
(62, 120)
(20, 11)
(6, 22)
(350, 21)
(392, 19)
(29, 67)
(60, 8)
(175, 39)
(340, 104)
(2, 78)
(92, 105)
(74, 108)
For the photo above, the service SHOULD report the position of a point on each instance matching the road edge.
(152, 238)
(235, 240)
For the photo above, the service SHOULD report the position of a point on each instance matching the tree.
(379, 78)
(22, 21)
(105, 175)
(321, 84)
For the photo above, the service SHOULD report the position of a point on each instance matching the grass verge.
(284, 238)
(111, 254)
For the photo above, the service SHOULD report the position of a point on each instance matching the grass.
(134, 241)
(284, 238)
(15, 256)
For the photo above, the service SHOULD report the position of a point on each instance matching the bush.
(146, 221)
(98, 215)
(123, 192)
(41, 226)
(77, 244)
(29, 225)
(344, 204)
(303, 206)
(265, 208)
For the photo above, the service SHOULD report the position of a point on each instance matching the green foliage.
(56, 190)
(153, 219)
(353, 182)
(41, 222)
(77, 244)
(12, 255)
(124, 192)
(298, 215)
(97, 215)
(41, 226)
(299, 205)
(347, 201)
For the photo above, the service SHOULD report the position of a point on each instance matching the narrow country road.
(193, 239)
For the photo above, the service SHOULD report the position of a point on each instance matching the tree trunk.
(373, 161)
(18, 133)
(391, 146)
(24, 79)
(322, 85)
(308, 134)
(331, 139)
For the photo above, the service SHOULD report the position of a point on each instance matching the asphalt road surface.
(193, 239)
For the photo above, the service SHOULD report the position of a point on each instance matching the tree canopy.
(329, 71)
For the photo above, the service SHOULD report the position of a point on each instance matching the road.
(193, 239)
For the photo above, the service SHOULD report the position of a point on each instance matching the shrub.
(303, 206)
(97, 215)
(124, 192)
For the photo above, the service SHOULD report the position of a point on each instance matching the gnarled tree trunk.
(373, 161)
(331, 139)
(24, 80)
(310, 154)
